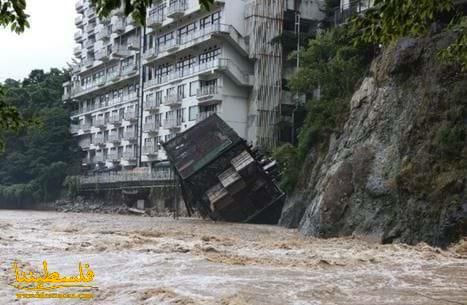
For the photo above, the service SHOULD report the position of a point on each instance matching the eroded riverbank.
(142, 260)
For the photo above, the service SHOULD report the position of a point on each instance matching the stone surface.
(384, 176)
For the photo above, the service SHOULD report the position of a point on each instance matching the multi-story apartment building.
(135, 87)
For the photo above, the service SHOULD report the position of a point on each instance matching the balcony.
(98, 140)
(103, 55)
(156, 19)
(133, 43)
(85, 145)
(171, 45)
(119, 51)
(127, 98)
(98, 159)
(78, 36)
(204, 70)
(131, 116)
(100, 81)
(74, 129)
(129, 70)
(130, 136)
(89, 44)
(172, 100)
(209, 95)
(151, 127)
(115, 120)
(99, 122)
(150, 150)
(79, 6)
(114, 138)
(171, 124)
(177, 9)
(79, 20)
(113, 76)
(89, 28)
(91, 13)
(129, 155)
(151, 104)
(118, 26)
(77, 51)
(204, 115)
(103, 33)
(151, 54)
(352, 8)
(85, 127)
(88, 62)
(113, 156)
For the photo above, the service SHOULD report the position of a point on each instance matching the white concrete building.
(135, 87)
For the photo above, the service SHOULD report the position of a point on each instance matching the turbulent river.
(142, 260)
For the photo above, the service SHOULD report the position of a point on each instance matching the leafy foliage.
(331, 64)
(390, 20)
(12, 14)
(457, 52)
(37, 157)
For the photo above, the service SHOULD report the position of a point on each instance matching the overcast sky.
(46, 44)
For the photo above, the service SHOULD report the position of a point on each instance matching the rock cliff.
(397, 171)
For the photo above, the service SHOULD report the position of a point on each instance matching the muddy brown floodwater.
(142, 260)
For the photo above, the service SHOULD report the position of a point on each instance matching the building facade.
(134, 87)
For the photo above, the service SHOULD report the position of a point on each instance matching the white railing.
(171, 123)
(172, 100)
(219, 63)
(207, 90)
(176, 8)
(131, 115)
(127, 176)
(78, 35)
(155, 19)
(150, 127)
(129, 135)
(150, 104)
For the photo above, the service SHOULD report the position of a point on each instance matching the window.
(209, 54)
(158, 98)
(208, 20)
(192, 113)
(193, 87)
(181, 91)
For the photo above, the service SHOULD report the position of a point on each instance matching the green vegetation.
(12, 15)
(37, 157)
(333, 65)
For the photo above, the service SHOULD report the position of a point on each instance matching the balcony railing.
(118, 26)
(89, 44)
(151, 127)
(114, 138)
(171, 45)
(79, 6)
(85, 126)
(88, 62)
(98, 140)
(130, 136)
(77, 51)
(78, 35)
(129, 155)
(115, 119)
(90, 13)
(151, 54)
(155, 19)
(131, 115)
(74, 128)
(129, 69)
(99, 122)
(103, 33)
(204, 69)
(78, 20)
(350, 9)
(150, 150)
(120, 51)
(207, 91)
(204, 115)
(133, 43)
(177, 9)
(89, 27)
(172, 100)
(103, 55)
(171, 123)
(113, 156)
(164, 174)
(151, 104)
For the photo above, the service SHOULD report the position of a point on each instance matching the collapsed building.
(221, 177)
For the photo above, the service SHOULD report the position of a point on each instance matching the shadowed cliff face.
(397, 172)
